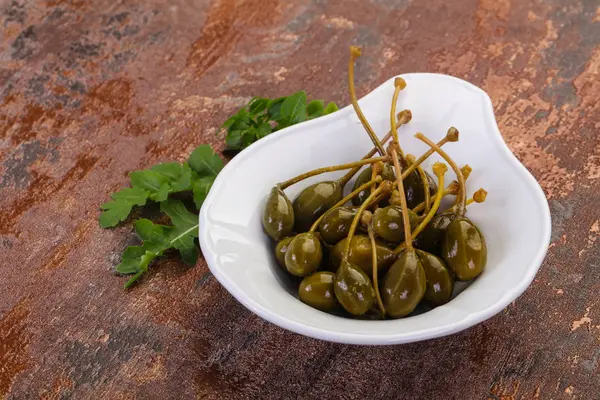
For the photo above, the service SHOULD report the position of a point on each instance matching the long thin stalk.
(354, 54)
(346, 199)
(385, 186)
(404, 117)
(399, 84)
(462, 194)
(403, 205)
(478, 197)
(436, 204)
(447, 192)
(375, 277)
(394, 147)
(425, 188)
(451, 136)
(466, 172)
(318, 171)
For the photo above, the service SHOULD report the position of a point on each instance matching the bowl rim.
(468, 320)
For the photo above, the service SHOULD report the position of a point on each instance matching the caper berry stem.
(440, 170)
(346, 199)
(462, 193)
(403, 205)
(374, 173)
(478, 197)
(450, 190)
(399, 84)
(451, 136)
(404, 117)
(318, 171)
(384, 187)
(425, 182)
(466, 172)
(354, 54)
(375, 264)
(375, 202)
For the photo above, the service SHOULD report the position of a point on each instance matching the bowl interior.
(514, 219)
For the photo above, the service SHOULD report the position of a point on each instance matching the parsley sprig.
(162, 182)
(262, 116)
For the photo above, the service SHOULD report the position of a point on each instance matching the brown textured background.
(91, 90)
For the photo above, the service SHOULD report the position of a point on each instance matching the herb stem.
(144, 263)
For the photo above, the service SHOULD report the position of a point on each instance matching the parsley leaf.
(262, 116)
(120, 206)
(315, 109)
(293, 110)
(136, 259)
(274, 108)
(258, 105)
(185, 229)
(200, 189)
(331, 108)
(259, 118)
(161, 180)
(205, 162)
(154, 183)
(159, 238)
(177, 175)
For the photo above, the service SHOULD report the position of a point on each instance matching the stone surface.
(93, 90)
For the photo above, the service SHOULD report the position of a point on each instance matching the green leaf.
(184, 230)
(140, 265)
(205, 162)
(274, 108)
(136, 260)
(331, 108)
(162, 193)
(128, 266)
(230, 121)
(257, 119)
(258, 105)
(135, 196)
(249, 136)
(315, 109)
(234, 141)
(201, 187)
(186, 245)
(179, 214)
(293, 109)
(241, 123)
(132, 252)
(151, 181)
(263, 130)
(148, 231)
(119, 208)
(178, 175)
(159, 238)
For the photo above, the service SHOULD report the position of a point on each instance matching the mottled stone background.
(93, 89)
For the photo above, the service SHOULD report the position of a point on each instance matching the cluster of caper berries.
(384, 248)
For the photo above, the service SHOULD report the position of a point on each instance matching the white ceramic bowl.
(515, 218)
